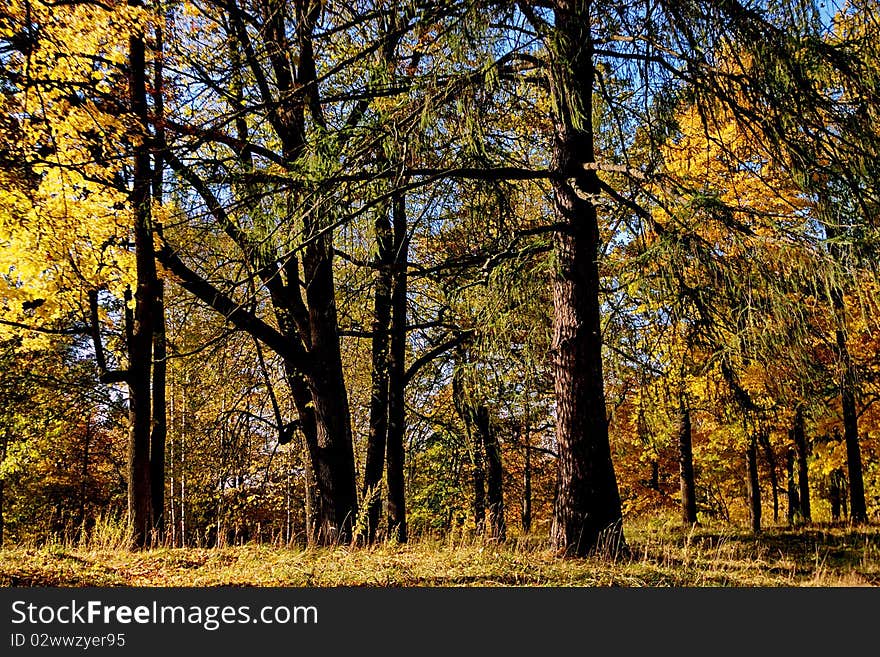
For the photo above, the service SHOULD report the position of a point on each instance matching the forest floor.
(660, 555)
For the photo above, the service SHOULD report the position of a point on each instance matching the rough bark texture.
(753, 484)
(140, 346)
(335, 470)
(587, 512)
(800, 442)
(686, 468)
(396, 505)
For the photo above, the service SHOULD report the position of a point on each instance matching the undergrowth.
(660, 554)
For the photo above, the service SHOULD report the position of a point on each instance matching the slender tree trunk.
(494, 472)
(464, 408)
(770, 457)
(754, 485)
(141, 343)
(858, 508)
(527, 484)
(587, 512)
(396, 374)
(848, 396)
(794, 502)
(83, 477)
(3, 445)
(800, 442)
(686, 468)
(377, 439)
(159, 431)
(835, 494)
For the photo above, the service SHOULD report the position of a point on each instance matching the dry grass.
(661, 555)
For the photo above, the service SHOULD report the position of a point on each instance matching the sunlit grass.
(660, 555)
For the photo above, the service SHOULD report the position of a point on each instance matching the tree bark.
(587, 512)
(794, 502)
(835, 494)
(858, 508)
(397, 529)
(754, 485)
(3, 446)
(527, 484)
(335, 470)
(770, 457)
(848, 395)
(686, 468)
(494, 472)
(800, 442)
(378, 434)
(141, 342)
(159, 431)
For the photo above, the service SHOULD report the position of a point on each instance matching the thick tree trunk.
(377, 439)
(753, 484)
(335, 470)
(587, 512)
(800, 442)
(397, 375)
(140, 346)
(686, 468)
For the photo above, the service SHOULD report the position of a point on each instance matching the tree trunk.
(377, 439)
(494, 472)
(159, 432)
(794, 502)
(527, 484)
(770, 457)
(800, 442)
(858, 508)
(397, 375)
(3, 445)
(140, 347)
(335, 470)
(587, 512)
(754, 486)
(848, 397)
(83, 477)
(464, 408)
(686, 468)
(835, 494)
